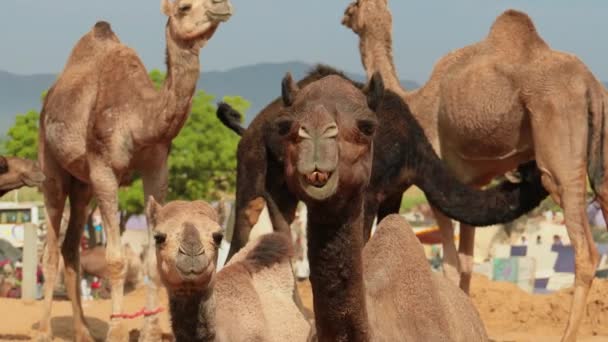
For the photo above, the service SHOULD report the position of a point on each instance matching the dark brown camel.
(403, 157)
(328, 130)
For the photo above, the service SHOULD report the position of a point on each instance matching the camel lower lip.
(322, 190)
(219, 16)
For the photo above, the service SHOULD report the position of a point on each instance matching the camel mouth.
(219, 16)
(319, 185)
(34, 179)
(317, 178)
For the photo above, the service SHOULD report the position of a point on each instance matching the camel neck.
(335, 244)
(377, 56)
(193, 316)
(175, 100)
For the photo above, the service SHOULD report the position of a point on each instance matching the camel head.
(327, 130)
(196, 20)
(187, 236)
(17, 172)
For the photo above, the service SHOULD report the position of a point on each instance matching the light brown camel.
(385, 291)
(102, 121)
(18, 172)
(251, 299)
(492, 105)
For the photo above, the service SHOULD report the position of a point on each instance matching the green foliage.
(157, 77)
(23, 136)
(131, 198)
(411, 198)
(203, 156)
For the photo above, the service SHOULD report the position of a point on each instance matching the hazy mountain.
(258, 83)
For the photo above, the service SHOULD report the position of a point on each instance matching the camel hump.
(269, 250)
(103, 30)
(515, 25)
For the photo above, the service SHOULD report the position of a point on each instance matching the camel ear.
(166, 7)
(375, 91)
(289, 89)
(152, 210)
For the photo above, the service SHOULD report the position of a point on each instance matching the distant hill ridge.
(258, 83)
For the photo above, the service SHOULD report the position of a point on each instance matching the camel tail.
(271, 249)
(596, 141)
(230, 117)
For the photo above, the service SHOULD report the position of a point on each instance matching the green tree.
(22, 140)
(203, 156)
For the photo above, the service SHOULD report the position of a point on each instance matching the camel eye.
(217, 238)
(284, 126)
(160, 238)
(367, 127)
(183, 9)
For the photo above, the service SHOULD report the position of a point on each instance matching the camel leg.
(565, 179)
(251, 184)
(105, 188)
(390, 205)
(286, 204)
(451, 262)
(54, 200)
(155, 184)
(80, 195)
(466, 248)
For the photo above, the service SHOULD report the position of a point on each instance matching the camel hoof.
(118, 332)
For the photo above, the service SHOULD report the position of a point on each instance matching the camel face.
(17, 172)
(186, 236)
(196, 19)
(327, 129)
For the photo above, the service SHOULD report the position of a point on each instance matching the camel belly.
(481, 116)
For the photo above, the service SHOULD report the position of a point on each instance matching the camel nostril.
(191, 250)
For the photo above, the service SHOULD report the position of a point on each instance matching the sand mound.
(504, 307)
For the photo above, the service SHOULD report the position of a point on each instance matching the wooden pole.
(30, 262)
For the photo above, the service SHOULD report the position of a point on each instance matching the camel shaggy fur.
(250, 299)
(494, 104)
(18, 172)
(402, 157)
(385, 292)
(102, 121)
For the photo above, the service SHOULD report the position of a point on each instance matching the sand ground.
(510, 314)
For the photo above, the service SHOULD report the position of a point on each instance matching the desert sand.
(509, 313)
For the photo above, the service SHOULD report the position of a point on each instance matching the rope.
(141, 312)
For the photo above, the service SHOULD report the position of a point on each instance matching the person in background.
(557, 240)
(539, 240)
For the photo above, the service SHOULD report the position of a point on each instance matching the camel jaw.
(319, 193)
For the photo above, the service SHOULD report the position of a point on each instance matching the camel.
(93, 262)
(402, 157)
(494, 104)
(102, 121)
(250, 299)
(372, 293)
(18, 172)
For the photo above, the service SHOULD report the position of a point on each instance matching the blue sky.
(36, 36)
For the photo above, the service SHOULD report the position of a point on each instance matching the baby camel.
(385, 292)
(251, 299)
